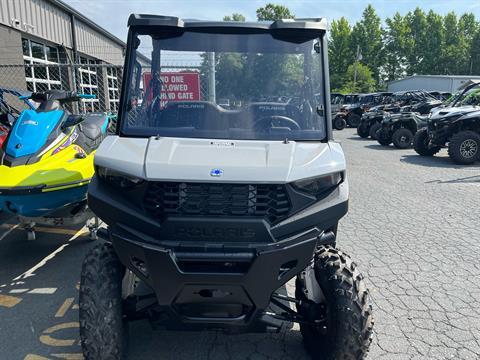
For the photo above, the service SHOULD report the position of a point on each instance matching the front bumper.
(205, 282)
(217, 287)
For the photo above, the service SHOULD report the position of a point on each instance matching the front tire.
(402, 138)
(103, 333)
(346, 322)
(339, 123)
(363, 130)
(383, 137)
(464, 147)
(420, 144)
(373, 130)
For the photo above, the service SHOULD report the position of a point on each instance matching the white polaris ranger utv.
(211, 211)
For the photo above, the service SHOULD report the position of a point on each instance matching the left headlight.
(117, 179)
(318, 185)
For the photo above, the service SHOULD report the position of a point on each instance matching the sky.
(113, 14)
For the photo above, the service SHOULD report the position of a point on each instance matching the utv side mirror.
(321, 111)
(72, 120)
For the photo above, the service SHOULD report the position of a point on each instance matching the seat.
(92, 131)
(93, 126)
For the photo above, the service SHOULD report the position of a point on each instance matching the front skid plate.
(214, 299)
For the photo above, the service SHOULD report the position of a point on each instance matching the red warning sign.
(176, 86)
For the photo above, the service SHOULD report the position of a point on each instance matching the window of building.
(113, 88)
(88, 77)
(40, 71)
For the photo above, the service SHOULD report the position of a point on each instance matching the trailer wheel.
(362, 130)
(383, 137)
(420, 144)
(339, 123)
(344, 317)
(464, 147)
(402, 138)
(373, 130)
(103, 333)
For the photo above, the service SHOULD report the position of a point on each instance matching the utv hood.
(205, 160)
(452, 112)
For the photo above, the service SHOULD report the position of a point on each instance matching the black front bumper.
(215, 288)
(206, 282)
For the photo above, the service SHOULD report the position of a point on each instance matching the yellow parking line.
(48, 340)
(64, 308)
(9, 301)
(60, 231)
(35, 357)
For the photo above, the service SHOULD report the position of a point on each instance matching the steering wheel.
(267, 122)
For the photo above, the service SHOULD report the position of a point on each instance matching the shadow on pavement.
(465, 180)
(377, 146)
(435, 161)
(359, 138)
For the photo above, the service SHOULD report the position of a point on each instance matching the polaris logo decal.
(194, 232)
(216, 172)
(271, 108)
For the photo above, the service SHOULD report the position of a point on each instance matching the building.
(42, 36)
(446, 83)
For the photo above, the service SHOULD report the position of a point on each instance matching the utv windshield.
(227, 86)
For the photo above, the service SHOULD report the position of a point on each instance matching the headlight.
(117, 179)
(318, 185)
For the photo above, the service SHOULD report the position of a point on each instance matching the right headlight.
(318, 185)
(117, 179)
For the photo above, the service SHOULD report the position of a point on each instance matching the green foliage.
(475, 54)
(364, 83)
(396, 45)
(274, 12)
(235, 73)
(367, 37)
(418, 42)
(340, 51)
(234, 17)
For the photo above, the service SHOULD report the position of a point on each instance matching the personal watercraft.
(46, 162)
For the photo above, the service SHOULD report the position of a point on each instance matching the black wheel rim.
(468, 148)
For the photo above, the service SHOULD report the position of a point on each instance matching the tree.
(339, 51)
(234, 17)
(468, 29)
(367, 37)
(395, 39)
(416, 42)
(433, 44)
(273, 12)
(475, 53)
(364, 83)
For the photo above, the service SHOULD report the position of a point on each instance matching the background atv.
(352, 113)
(395, 103)
(400, 129)
(457, 127)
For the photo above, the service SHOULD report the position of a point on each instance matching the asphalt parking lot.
(413, 228)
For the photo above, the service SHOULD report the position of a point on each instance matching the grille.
(270, 202)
